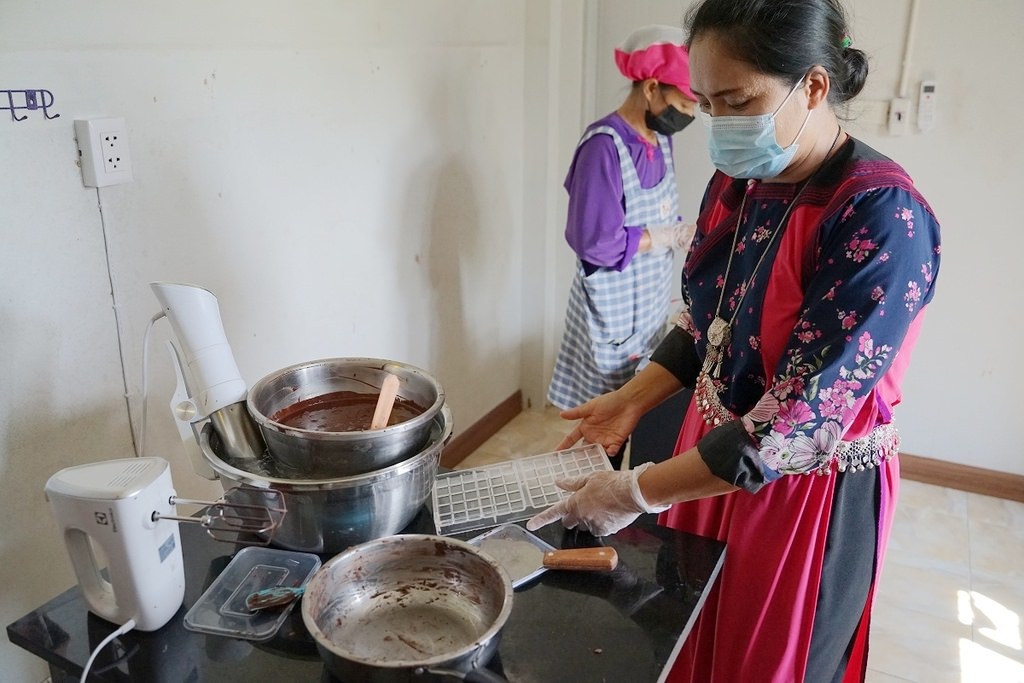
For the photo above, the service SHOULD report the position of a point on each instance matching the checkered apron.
(615, 319)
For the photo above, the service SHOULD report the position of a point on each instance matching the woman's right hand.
(606, 420)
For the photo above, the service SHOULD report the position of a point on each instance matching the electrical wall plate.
(103, 151)
(899, 116)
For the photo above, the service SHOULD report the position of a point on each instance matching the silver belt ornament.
(879, 445)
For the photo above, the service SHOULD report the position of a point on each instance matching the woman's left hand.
(677, 236)
(607, 420)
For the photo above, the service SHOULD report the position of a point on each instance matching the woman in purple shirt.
(624, 223)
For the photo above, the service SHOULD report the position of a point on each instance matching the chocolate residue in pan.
(412, 644)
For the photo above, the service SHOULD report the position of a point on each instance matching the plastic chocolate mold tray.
(510, 491)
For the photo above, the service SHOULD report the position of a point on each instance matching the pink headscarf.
(658, 52)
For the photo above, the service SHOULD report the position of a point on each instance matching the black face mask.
(667, 122)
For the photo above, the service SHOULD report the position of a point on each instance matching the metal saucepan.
(313, 454)
(408, 608)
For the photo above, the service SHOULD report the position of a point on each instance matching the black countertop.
(624, 625)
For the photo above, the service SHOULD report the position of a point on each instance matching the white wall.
(552, 113)
(962, 393)
(348, 178)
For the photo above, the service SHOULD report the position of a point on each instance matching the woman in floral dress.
(814, 260)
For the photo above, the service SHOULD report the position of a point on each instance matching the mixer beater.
(231, 519)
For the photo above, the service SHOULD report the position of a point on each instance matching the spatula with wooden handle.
(525, 556)
(601, 559)
(385, 402)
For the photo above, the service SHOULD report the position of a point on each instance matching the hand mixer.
(125, 509)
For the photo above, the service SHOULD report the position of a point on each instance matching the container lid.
(221, 610)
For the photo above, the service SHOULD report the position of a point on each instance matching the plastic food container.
(221, 610)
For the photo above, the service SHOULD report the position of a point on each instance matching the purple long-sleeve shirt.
(595, 227)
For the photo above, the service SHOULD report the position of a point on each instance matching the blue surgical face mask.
(746, 146)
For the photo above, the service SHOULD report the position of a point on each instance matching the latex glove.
(601, 503)
(678, 236)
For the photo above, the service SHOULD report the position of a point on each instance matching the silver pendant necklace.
(720, 330)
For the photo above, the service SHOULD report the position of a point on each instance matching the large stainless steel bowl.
(328, 515)
(389, 610)
(309, 454)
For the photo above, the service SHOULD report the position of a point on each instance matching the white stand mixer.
(209, 385)
(118, 517)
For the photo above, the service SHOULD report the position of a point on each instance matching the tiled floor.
(951, 598)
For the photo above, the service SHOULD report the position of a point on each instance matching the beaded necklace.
(720, 330)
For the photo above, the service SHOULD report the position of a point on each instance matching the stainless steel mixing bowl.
(328, 515)
(308, 454)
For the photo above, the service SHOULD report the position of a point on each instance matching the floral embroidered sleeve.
(877, 259)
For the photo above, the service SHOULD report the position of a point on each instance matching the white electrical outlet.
(899, 116)
(103, 152)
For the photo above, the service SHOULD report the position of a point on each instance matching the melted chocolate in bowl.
(342, 411)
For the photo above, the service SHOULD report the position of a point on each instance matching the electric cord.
(116, 306)
(127, 626)
(141, 446)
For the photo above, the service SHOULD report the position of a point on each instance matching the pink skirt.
(757, 623)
